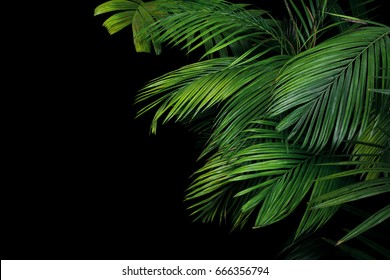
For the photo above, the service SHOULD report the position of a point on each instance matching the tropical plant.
(291, 111)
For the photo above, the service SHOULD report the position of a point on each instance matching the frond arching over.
(323, 94)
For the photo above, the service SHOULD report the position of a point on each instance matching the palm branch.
(292, 113)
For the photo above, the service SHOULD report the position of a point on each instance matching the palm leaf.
(217, 25)
(354, 191)
(136, 13)
(369, 159)
(272, 177)
(278, 129)
(314, 218)
(372, 243)
(375, 219)
(311, 20)
(311, 15)
(191, 89)
(322, 94)
(241, 111)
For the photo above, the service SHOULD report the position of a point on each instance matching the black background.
(83, 178)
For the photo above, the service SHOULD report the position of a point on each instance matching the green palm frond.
(314, 218)
(306, 18)
(312, 20)
(288, 113)
(370, 244)
(373, 146)
(219, 26)
(372, 221)
(356, 13)
(241, 111)
(368, 162)
(138, 14)
(185, 93)
(191, 89)
(322, 94)
(370, 238)
(273, 177)
(369, 167)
